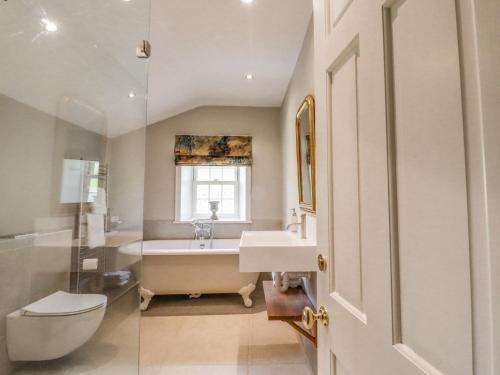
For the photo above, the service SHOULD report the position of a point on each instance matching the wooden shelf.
(288, 307)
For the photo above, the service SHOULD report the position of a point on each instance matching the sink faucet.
(302, 224)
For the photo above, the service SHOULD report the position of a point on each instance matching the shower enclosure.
(73, 92)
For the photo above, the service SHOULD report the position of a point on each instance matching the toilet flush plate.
(273, 251)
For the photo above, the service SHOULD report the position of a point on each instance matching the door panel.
(430, 185)
(392, 189)
(345, 190)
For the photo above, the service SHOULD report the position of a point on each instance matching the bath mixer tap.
(204, 229)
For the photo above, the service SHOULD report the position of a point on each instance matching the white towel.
(99, 206)
(95, 230)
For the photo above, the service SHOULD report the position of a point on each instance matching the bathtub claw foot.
(245, 293)
(146, 296)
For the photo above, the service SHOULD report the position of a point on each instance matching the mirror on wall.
(80, 181)
(306, 159)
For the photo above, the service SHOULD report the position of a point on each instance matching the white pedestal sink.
(273, 251)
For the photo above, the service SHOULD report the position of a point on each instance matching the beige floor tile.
(273, 342)
(265, 332)
(220, 344)
(204, 370)
(151, 369)
(279, 370)
(196, 340)
(276, 354)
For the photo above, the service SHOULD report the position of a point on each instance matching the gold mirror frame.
(307, 104)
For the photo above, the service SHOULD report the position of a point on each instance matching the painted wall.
(301, 85)
(33, 146)
(263, 124)
(126, 157)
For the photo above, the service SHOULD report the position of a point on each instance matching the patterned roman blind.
(213, 150)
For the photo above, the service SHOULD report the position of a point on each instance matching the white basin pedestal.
(276, 251)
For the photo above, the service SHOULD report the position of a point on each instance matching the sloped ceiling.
(202, 50)
(84, 71)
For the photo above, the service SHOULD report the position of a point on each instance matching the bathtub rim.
(131, 249)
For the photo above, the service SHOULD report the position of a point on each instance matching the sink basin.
(273, 251)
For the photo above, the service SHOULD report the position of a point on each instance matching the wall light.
(249, 76)
(131, 95)
(49, 25)
(247, 1)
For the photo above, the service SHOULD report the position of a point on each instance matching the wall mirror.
(306, 158)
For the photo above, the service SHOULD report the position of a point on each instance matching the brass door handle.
(321, 262)
(309, 317)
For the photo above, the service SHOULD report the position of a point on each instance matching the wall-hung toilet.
(54, 326)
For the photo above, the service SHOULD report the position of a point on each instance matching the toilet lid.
(62, 303)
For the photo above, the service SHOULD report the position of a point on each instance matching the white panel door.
(392, 189)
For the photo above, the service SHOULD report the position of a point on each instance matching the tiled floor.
(220, 345)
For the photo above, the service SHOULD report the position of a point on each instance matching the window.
(198, 185)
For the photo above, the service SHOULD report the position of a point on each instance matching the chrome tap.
(302, 224)
(202, 230)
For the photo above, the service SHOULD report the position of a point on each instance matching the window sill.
(216, 222)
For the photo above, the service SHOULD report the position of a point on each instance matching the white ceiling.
(202, 50)
(82, 72)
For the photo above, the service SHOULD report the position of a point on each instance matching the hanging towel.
(95, 230)
(99, 206)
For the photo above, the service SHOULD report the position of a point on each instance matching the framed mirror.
(306, 155)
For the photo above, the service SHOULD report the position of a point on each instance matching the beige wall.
(126, 157)
(261, 123)
(33, 146)
(301, 85)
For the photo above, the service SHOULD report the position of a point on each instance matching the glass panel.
(72, 122)
(202, 206)
(227, 206)
(202, 192)
(229, 174)
(215, 192)
(216, 173)
(228, 191)
(203, 173)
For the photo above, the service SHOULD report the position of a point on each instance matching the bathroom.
(249, 187)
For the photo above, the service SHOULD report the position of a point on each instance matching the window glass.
(200, 185)
(229, 174)
(215, 173)
(203, 173)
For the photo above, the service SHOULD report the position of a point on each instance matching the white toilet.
(54, 326)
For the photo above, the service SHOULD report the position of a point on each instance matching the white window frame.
(236, 184)
(185, 204)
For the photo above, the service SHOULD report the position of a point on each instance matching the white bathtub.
(193, 267)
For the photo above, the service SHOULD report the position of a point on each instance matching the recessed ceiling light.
(247, 1)
(131, 95)
(49, 25)
(249, 76)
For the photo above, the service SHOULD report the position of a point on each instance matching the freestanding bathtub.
(193, 267)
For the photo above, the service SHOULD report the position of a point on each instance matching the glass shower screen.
(72, 138)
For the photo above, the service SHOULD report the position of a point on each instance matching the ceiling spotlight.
(247, 1)
(131, 95)
(249, 76)
(49, 25)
